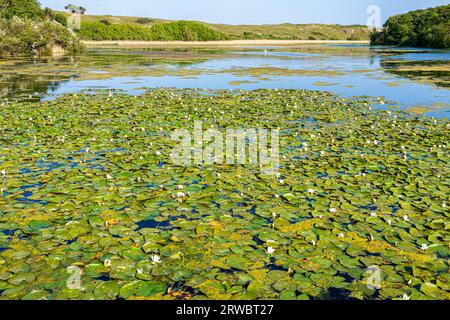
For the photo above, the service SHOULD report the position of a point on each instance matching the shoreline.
(127, 43)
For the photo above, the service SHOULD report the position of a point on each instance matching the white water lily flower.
(373, 214)
(108, 177)
(424, 246)
(155, 259)
(311, 191)
(313, 243)
(281, 181)
(158, 153)
(181, 194)
(274, 214)
(3, 172)
(180, 187)
(389, 222)
(270, 250)
(405, 217)
(107, 263)
(341, 235)
(333, 210)
(139, 271)
(406, 297)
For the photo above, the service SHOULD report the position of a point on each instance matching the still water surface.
(406, 78)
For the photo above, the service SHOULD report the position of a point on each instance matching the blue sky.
(250, 11)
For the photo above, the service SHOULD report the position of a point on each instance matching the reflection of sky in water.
(329, 63)
(424, 56)
(411, 94)
(359, 72)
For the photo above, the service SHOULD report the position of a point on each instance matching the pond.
(415, 79)
(95, 205)
(89, 189)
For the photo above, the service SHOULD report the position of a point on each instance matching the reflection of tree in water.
(417, 70)
(13, 85)
(17, 82)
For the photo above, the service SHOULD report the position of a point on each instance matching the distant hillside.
(138, 28)
(421, 28)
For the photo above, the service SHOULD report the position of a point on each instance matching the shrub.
(144, 20)
(105, 22)
(172, 31)
(21, 36)
(20, 8)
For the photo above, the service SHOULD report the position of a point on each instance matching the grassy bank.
(421, 28)
(114, 25)
(218, 44)
(88, 181)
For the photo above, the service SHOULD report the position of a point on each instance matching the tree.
(421, 28)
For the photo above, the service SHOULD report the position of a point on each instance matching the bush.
(29, 9)
(21, 36)
(172, 31)
(144, 20)
(421, 28)
(105, 22)
(61, 18)
(185, 31)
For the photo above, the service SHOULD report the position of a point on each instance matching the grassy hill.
(140, 28)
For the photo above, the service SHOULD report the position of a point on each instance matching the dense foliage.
(20, 8)
(26, 29)
(27, 37)
(173, 31)
(421, 28)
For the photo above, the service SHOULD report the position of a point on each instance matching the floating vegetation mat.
(92, 207)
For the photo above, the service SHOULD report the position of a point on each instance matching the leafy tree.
(421, 28)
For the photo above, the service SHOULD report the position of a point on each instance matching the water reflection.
(409, 77)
